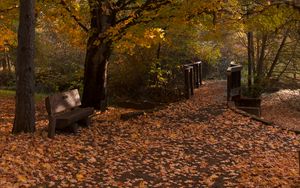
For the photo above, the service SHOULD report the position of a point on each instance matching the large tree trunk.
(95, 76)
(99, 49)
(25, 106)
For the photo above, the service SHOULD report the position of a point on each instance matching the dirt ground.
(193, 143)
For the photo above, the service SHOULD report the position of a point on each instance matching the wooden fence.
(192, 77)
(234, 92)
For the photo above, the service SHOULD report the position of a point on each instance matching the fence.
(249, 105)
(234, 81)
(192, 77)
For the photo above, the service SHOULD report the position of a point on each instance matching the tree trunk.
(95, 76)
(25, 106)
(99, 49)
(250, 57)
(277, 55)
(260, 63)
(4, 63)
(8, 61)
(257, 55)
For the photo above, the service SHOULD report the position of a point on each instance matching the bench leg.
(74, 128)
(85, 122)
(51, 127)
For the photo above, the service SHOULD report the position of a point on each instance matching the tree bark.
(25, 106)
(95, 76)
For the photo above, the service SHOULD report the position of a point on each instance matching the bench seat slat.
(74, 115)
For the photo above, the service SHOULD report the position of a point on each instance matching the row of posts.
(192, 77)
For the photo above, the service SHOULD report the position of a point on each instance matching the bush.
(59, 78)
(143, 76)
(7, 80)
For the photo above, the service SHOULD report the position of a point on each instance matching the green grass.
(11, 93)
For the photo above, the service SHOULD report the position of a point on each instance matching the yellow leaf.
(47, 166)
(22, 178)
(142, 184)
(79, 177)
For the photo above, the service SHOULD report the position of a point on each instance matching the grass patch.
(10, 93)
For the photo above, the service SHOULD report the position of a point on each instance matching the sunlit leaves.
(8, 24)
(142, 37)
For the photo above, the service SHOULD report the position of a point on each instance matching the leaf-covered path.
(193, 143)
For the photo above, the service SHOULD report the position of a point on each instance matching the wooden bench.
(64, 111)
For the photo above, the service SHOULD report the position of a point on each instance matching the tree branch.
(77, 20)
(9, 9)
(149, 5)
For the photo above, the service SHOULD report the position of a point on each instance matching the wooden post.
(196, 67)
(187, 81)
(200, 73)
(234, 81)
(191, 72)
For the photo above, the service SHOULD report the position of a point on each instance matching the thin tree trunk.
(260, 63)
(257, 55)
(291, 57)
(277, 55)
(295, 73)
(8, 62)
(250, 58)
(158, 51)
(25, 106)
(4, 63)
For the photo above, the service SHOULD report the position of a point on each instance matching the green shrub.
(59, 77)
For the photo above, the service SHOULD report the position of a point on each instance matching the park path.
(193, 143)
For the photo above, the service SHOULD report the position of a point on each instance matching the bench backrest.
(64, 101)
